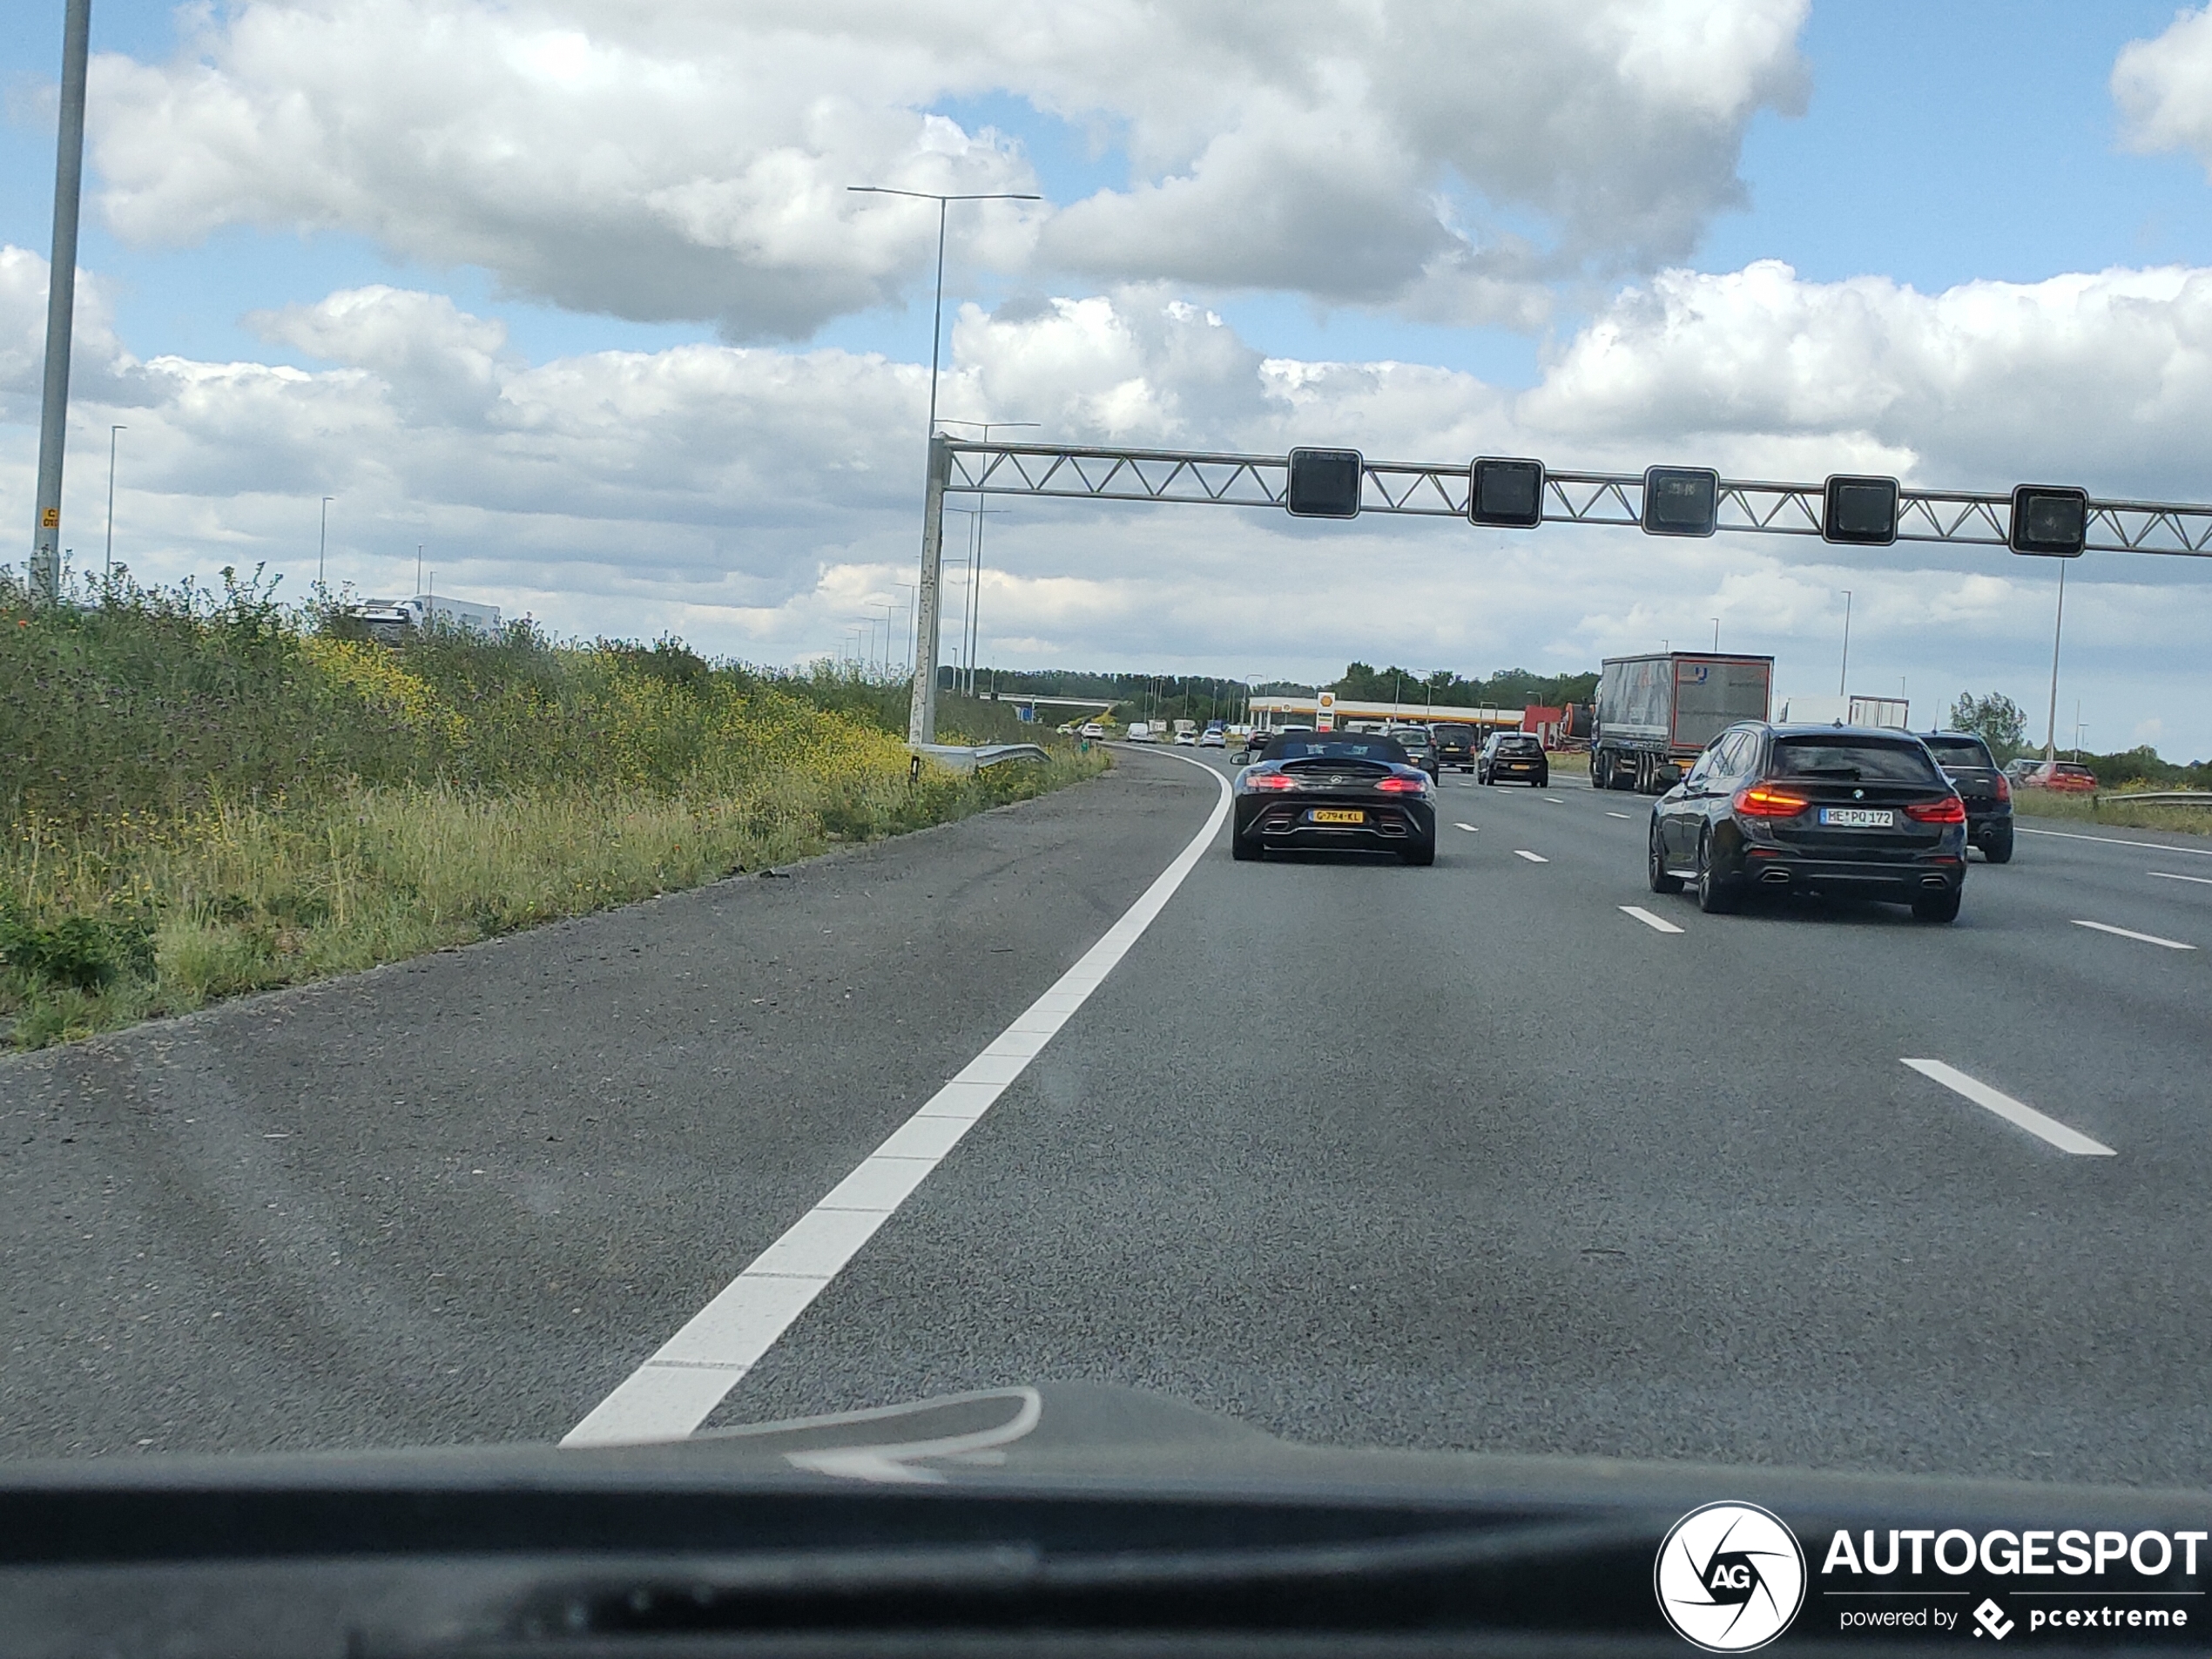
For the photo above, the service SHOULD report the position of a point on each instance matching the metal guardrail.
(962, 757)
(2157, 797)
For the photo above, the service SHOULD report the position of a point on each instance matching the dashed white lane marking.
(2012, 1111)
(2129, 933)
(1533, 858)
(1658, 924)
(1555, 800)
(2113, 841)
(1471, 829)
(1622, 816)
(674, 1392)
(2168, 876)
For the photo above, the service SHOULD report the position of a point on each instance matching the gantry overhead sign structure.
(2051, 521)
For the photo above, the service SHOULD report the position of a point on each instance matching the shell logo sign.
(1325, 718)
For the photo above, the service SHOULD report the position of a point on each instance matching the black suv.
(1515, 755)
(1973, 769)
(1455, 744)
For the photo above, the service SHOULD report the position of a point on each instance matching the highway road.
(1506, 1154)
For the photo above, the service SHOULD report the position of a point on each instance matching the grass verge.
(210, 795)
(2114, 814)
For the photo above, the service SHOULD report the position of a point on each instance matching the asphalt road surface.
(1507, 1154)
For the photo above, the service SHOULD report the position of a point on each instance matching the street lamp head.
(936, 196)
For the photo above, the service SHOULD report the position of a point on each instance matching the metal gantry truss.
(1415, 490)
(1076, 472)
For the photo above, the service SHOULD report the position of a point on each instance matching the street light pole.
(61, 305)
(1717, 633)
(921, 718)
(107, 565)
(1843, 673)
(322, 541)
(2058, 629)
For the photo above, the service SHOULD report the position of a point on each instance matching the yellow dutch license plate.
(1329, 815)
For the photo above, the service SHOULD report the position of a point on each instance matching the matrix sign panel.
(2050, 520)
(1859, 512)
(1681, 501)
(1323, 483)
(1508, 495)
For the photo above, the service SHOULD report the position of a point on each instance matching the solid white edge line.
(675, 1389)
(2168, 875)
(1533, 858)
(2129, 933)
(2113, 841)
(1658, 924)
(2012, 1111)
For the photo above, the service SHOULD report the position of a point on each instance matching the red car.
(2065, 777)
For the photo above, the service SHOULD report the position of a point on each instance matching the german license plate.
(1858, 816)
(1333, 815)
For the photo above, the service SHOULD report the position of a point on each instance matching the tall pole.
(1843, 673)
(107, 565)
(922, 719)
(2057, 628)
(921, 716)
(322, 542)
(1717, 633)
(61, 305)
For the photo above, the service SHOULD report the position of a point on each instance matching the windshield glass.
(1353, 745)
(1959, 751)
(1855, 760)
(751, 914)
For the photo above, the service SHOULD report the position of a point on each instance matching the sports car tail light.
(1396, 785)
(1758, 801)
(1270, 780)
(2004, 787)
(1949, 810)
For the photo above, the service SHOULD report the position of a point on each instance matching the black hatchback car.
(1988, 794)
(1514, 755)
(1338, 792)
(1846, 810)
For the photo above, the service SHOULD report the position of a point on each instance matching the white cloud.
(2102, 380)
(689, 160)
(2164, 89)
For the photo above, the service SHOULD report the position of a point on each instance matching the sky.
(568, 300)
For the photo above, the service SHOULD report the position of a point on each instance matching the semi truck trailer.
(1654, 713)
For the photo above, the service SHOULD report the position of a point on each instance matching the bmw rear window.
(1853, 760)
(1324, 745)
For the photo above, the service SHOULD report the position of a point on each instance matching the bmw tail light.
(1270, 780)
(1949, 810)
(1397, 786)
(1759, 801)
